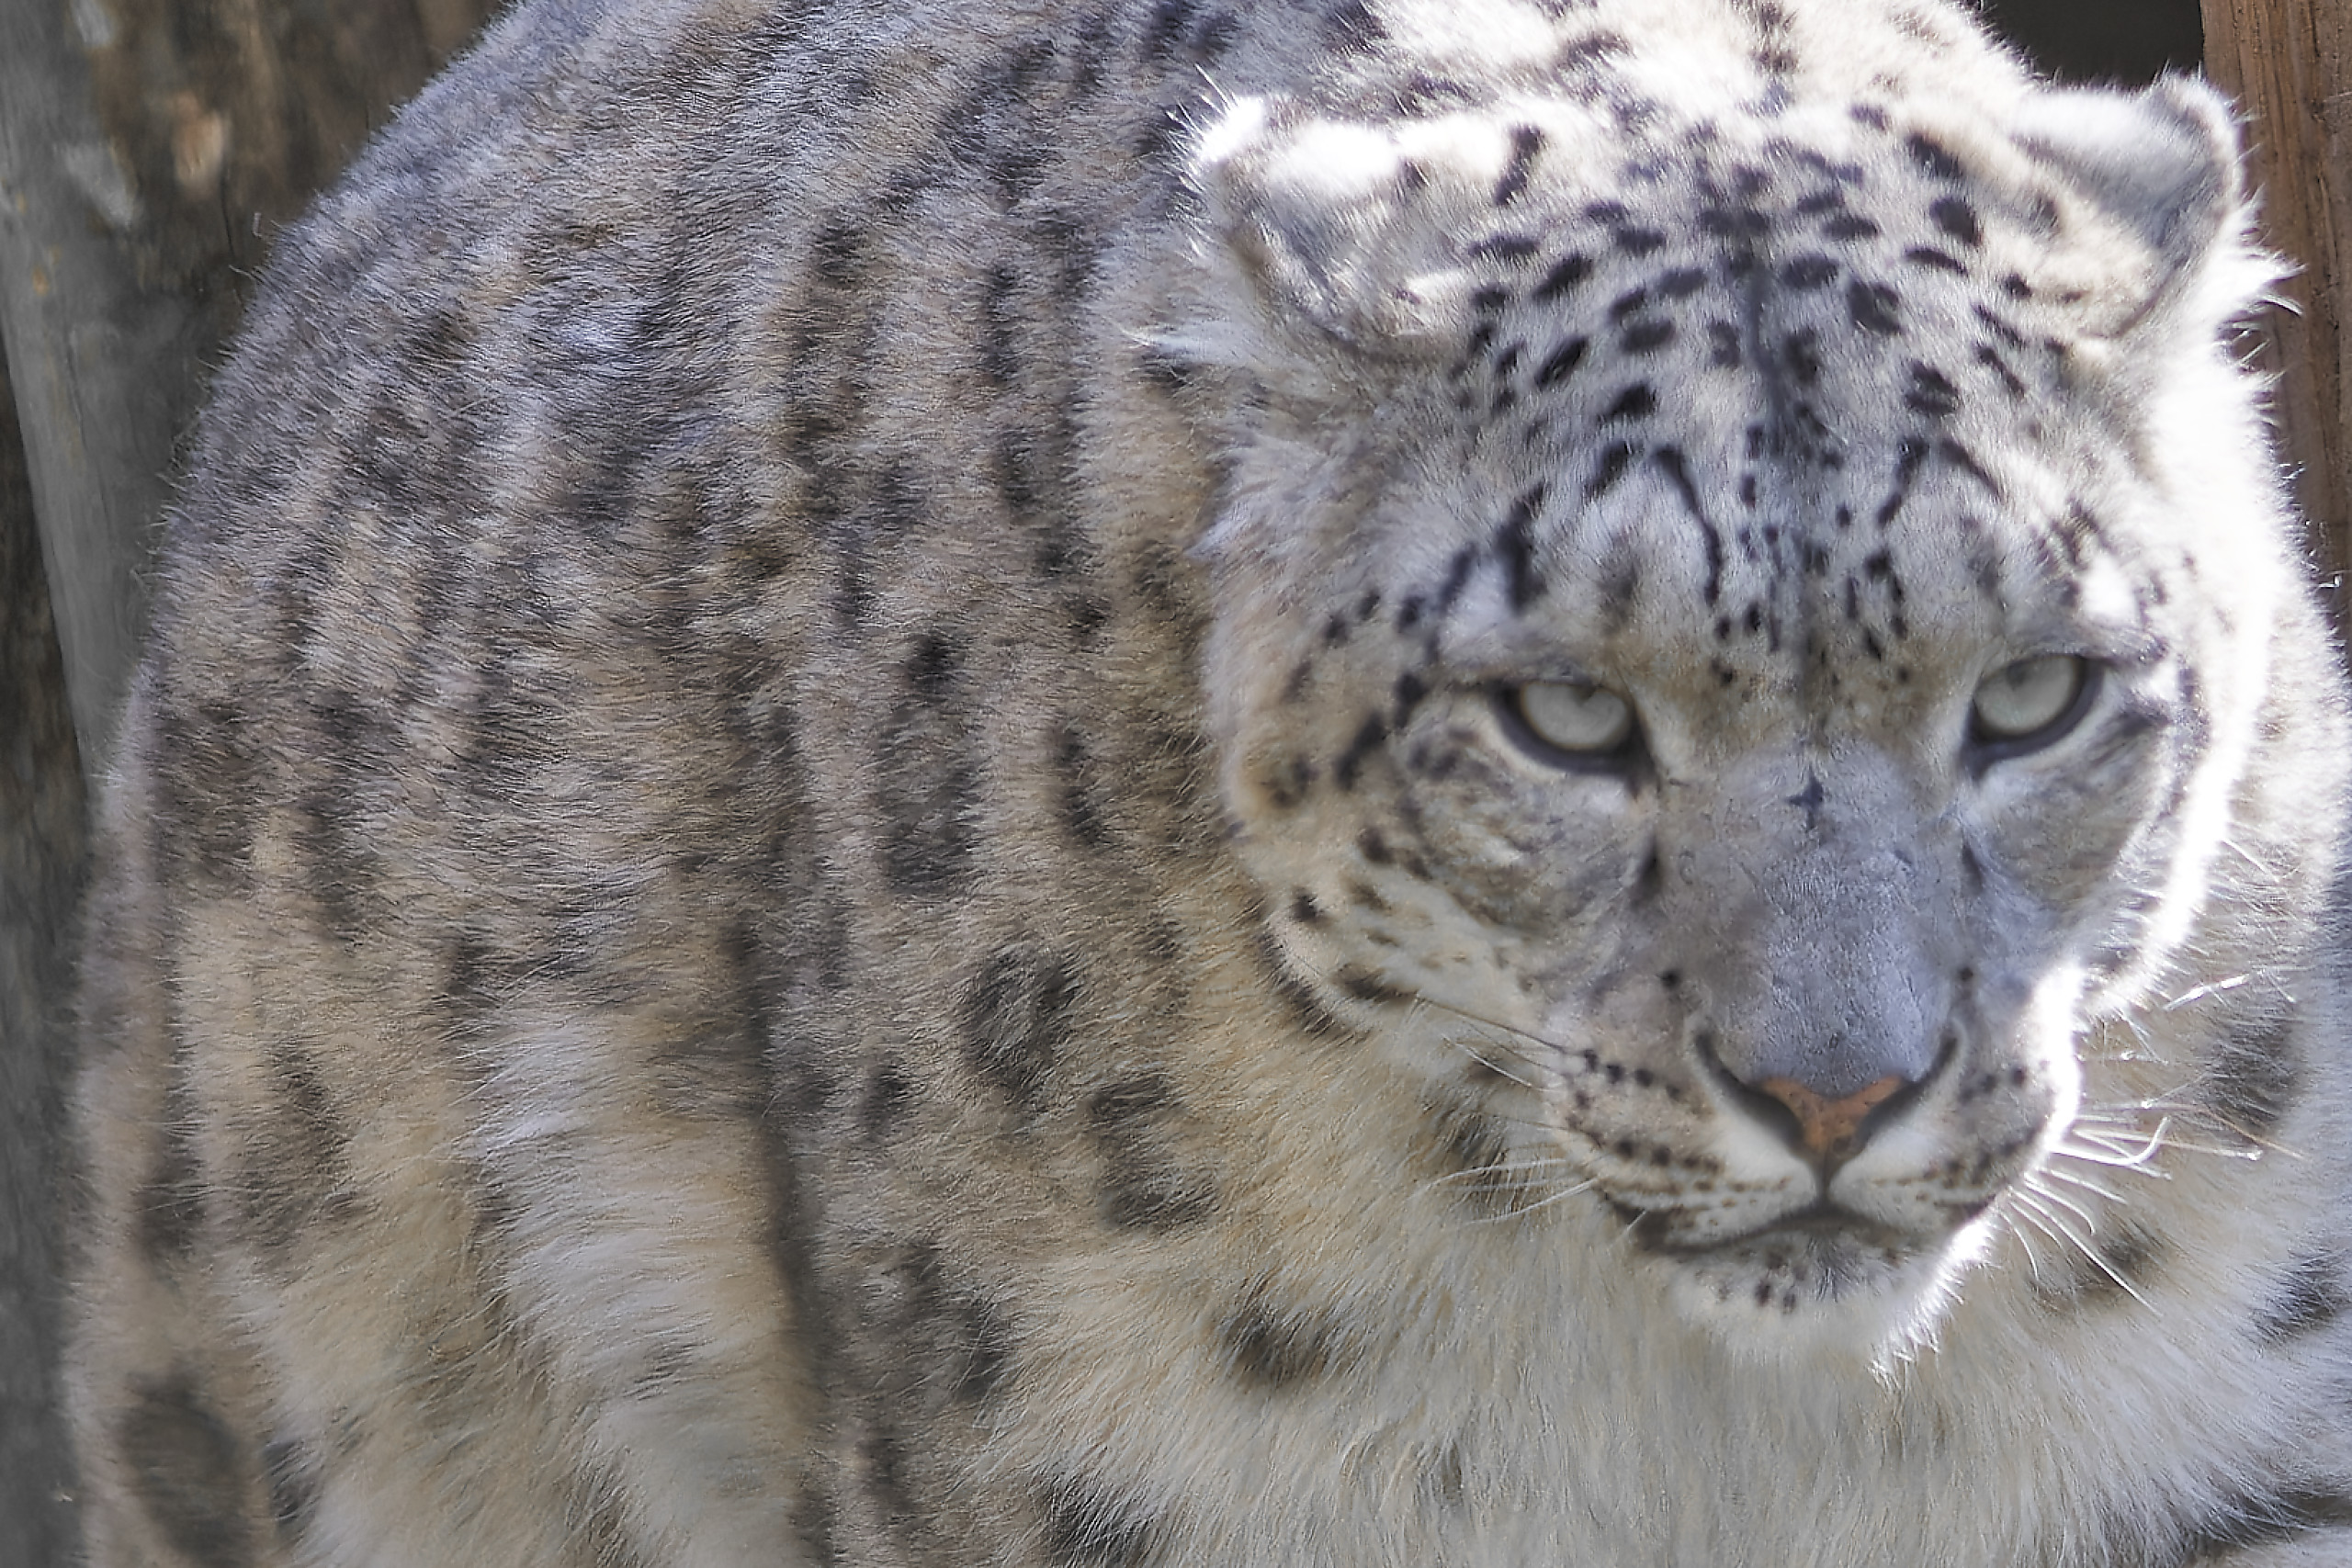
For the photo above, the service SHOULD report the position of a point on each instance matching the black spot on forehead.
(1636, 402)
(1736, 222)
(929, 776)
(1562, 359)
(1675, 466)
(1931, 392)
(1526, 141)
(1506, 248)
(1957, 218)
(1682, 282)
(1565, 274)
(889, 1095)
(1933, 157)
(1801, 355)
(1646, 335)
(1872, 306)
(1369, 738)
(1807, 272)
(1609, 467)
(1515, 546)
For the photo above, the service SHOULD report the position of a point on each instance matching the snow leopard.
(1343, 782)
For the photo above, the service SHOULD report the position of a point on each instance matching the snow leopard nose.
(1825, 1121)
(1826, 1128)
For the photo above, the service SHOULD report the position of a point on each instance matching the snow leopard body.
(1330, 784)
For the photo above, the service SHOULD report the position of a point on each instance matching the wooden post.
(104, 357)
(41, 880)
(149, 149)
(2289, 63)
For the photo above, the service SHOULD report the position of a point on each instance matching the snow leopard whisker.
(2031, 1200)
(2025, 1244)
(2128, 1123)
(1512, 1182)
(2201, 1115)
(2032, 1185)
(1469, 1050)
(1520, 1173)
(1521, 1210)
(2022, 1220)
(2088, 1183)
(2141, 1163)
(2114, 1142)
(2210, 988)
(1552, 1048)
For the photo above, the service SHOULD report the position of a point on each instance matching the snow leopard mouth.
(1810, 1260)
(1822, 1252)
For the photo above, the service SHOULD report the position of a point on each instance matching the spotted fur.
(841, 844)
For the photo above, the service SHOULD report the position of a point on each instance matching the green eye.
(1575, 720)
(2030, 702)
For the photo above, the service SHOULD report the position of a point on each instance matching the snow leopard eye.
(2030, 703)
(1566, 723)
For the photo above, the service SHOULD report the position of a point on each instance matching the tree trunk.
(41, 880)
(2287, 62)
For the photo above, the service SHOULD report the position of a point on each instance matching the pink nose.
(1827, 1127)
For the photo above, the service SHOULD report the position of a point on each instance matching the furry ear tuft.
(2163, 163)
(1350, 231)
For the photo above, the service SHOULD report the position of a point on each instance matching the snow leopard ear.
(1346, 230)
(2163, 163)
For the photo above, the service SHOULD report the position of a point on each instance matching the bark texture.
(2286, 61)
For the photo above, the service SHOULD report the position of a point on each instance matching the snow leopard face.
(1750, 699)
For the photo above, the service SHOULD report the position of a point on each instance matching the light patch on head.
(1329, 233)
(1480, 37)
(1242, 123)
(2108, 597)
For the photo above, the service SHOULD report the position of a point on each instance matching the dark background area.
(2102, 41)
(220, 118)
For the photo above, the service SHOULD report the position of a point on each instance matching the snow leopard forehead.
(1774, 361)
